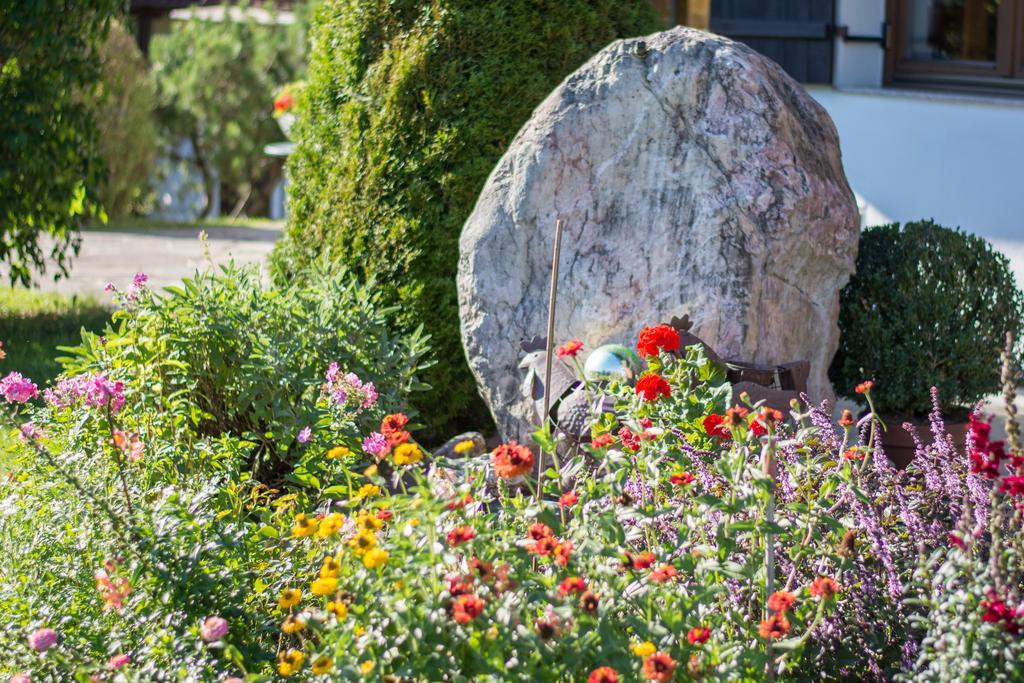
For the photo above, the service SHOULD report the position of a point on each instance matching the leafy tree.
(127, 125)
(216, 82)
(49, 159)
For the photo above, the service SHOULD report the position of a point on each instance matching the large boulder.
(694, 177)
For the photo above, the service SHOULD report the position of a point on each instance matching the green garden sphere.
(613, 361)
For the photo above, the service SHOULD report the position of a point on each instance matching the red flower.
(461, 534)
(823, 587)
(641, 561)
(568, 499)
(775, 626)
(589, 601)
(957, 541)
(602, 441)
(757, 429)
(853, 453)
(781, 601)
(385, 515)
(574, 584)
(698, 635)
(998, 612)
(460, 502)
(570, 348)
(467, 607)
(658, 338)
(682, 479)
(652, 386)
(865, 387)
(665, 572)
(603, 674)
(714, 425)
(542, 547)
(1012, 486)
(393, 427)
(846, 420)
(659, 667)
(629, 440)
(563, 552)
(485, 570)
(537, 531)
(283, 102)
(511, 460)
(458, 586)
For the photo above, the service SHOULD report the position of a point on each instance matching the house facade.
(927, 95)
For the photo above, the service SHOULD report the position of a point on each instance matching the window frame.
(1006, 74)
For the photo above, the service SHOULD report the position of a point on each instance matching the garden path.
(165, 254)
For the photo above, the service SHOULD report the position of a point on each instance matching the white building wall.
(955, 158)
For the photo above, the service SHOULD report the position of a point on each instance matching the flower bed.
(690, 538)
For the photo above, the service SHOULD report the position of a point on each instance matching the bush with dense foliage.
(126, 118)
(216, 82)
(408, 107)
(688, 538)
(928, 306)
(50, 165)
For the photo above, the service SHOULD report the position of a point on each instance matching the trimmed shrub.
(127, 125)
(928, 306)
(409, 106)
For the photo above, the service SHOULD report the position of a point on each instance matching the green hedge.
(928, 306)
(409, 106)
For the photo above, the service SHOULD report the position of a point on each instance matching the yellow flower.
(398, 585)
(358, 630)
(323, 586)
(304, 526)
(463, 447)
(338, 452)
(322, 664)
(363, 541)
(408, 454)
(368, 521)
(492, 633)
(330, 524)
(331, 568)
(366, 667)
(293, 624)
(415, 521)
(289, 597)
(643, 649)
(370, 471)
(290, 662)
(367, 490)
(375, 558)
(338, 609)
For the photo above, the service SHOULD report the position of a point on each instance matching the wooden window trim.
(1006, 74)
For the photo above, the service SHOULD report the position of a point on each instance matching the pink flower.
(140, 279)
(109, 287)
(213, 629)
(233, 679)
(117, 661)
(19, 678)
(18, 389)
(29, 431)
(305, 434)
(376, 444)
(348, 391)
(100, 392)
(42, 639)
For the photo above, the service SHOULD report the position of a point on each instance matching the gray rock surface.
(695, 177)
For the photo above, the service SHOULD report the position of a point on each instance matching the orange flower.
(603, 674)
(570, 348)
(775, 626)
(467, 608)
(602, 440)
(393, 427)
(573, 584)
(589, 601)
(641, 561)
(461, 534)
(664, 573)
(865, 387)
(736, 417)
(846, 420)
(511, 460)
(698, 635)
(823, 587)
(681, 479)
(659, 667)
(538, 530)
(781, 601)
(563, 552)
(769, 417)
(568, 499)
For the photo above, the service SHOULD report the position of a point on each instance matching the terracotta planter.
(899, 444)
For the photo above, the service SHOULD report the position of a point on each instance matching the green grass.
(33, 324)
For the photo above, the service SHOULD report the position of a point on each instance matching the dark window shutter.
(795, 33)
